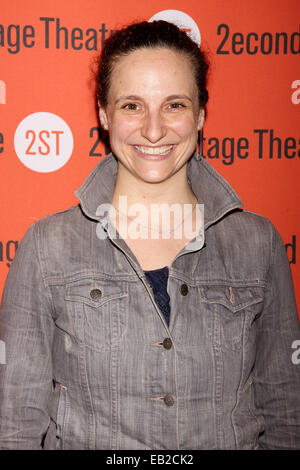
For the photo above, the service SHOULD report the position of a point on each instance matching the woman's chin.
(153, 176)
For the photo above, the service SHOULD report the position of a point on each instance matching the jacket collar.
(209, 187)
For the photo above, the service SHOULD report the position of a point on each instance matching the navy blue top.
(158, 279)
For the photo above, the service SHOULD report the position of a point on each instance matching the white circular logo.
(43, 142)
(182, 20)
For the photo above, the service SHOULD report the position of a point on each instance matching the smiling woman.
(155, 131)
(155, 338)
(152, 99)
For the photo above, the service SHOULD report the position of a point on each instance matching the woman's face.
(152, 115)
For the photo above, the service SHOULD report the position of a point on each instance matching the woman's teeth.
(155, 150)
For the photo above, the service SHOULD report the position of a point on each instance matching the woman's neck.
(174, 190)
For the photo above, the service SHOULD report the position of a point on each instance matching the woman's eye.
(130, 106)
(177, 105)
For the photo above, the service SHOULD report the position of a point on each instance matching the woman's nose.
(153, 128)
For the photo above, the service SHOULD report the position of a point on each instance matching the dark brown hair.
(150, 35)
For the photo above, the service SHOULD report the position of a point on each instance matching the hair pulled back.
(150, 35)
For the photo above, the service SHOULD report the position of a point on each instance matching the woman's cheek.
(185, 126)
(124, 127)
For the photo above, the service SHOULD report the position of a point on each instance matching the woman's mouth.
(154, 153)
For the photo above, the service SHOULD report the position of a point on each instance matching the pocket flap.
(94, 292)
(233, 298)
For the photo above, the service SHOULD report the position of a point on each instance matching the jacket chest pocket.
(235, 310)
(100, 309)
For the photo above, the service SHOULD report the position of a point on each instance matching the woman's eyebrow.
(130, 97)
(178, 97)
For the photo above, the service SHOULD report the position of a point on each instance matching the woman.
(150, 340)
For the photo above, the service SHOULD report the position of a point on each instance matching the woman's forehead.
(148, 68)
(150, 54)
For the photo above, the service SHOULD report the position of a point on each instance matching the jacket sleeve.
(26, 332)
(276, 375)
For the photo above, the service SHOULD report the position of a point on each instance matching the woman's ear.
(103, 118)
(201, 119)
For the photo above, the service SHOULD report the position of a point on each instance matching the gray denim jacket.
(87, 366)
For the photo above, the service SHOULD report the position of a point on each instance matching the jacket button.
(95, 294)
(167, 343)
(169, 400)
(184, 289)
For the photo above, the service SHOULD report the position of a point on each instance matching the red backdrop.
(251, 135)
